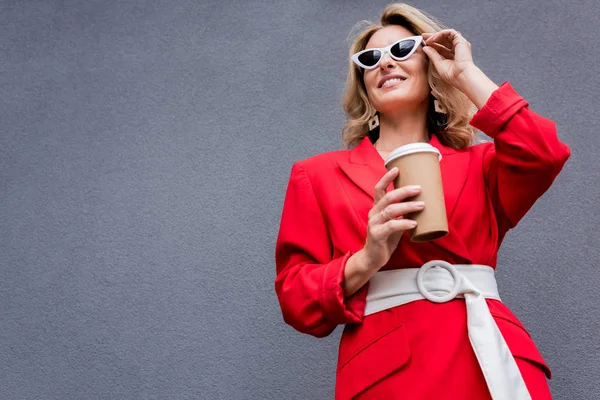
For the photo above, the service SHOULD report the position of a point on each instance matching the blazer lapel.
(455, 171)
(364, 167)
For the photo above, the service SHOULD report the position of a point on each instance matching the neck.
(402, 128)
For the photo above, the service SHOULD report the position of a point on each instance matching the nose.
(386, 62)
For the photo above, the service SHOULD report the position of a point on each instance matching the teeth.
(391, 81)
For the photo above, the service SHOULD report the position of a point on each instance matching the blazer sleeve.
(309, 280)
(525, 158)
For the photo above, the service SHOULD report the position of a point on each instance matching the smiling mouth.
(392, 82)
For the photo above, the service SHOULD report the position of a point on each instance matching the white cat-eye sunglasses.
(399, 51)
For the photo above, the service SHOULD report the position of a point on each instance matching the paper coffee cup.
(419, 164)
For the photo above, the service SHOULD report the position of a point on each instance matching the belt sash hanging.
(474, 283)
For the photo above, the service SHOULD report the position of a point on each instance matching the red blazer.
(488, 188)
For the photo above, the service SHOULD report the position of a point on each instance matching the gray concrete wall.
(145, 148)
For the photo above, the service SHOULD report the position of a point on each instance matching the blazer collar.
(364, 167)
(365, 153)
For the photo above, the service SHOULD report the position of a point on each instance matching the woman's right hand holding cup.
(386, 222)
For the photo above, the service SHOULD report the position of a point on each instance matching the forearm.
(358, 271)
(476, 86)
(525, 158)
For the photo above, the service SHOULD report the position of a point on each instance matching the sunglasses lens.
(370, 58)
(402, 49)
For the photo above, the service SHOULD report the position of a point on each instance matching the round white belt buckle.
(443, 264)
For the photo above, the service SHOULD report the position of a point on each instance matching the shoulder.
(482, 154)
(315, 173)
(476, 150)
(320, 163)
(481, 148)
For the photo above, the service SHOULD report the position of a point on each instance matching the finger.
(383, 216)
(440, 46)
(435, 36)
(444, 51)
(450, 37)
(398, 210)
(395, 196)
(427, 35)
(433, 55)
(459, 46)
(440, 41)
(445, 33)
(384, 182)
(458, 38)
(398, 225)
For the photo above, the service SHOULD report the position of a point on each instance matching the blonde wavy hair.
(457, 133)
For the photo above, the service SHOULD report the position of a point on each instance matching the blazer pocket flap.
(520, 343)
(373, 363)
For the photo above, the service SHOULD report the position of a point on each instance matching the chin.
(395, 101)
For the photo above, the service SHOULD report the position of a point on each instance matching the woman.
(342, 227)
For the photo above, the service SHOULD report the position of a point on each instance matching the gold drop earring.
(374, 121)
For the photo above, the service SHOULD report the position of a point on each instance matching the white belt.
(440, 281)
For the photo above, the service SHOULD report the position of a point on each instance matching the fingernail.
(415, 187)
(420, 204)
(393, 169)
(413, 223)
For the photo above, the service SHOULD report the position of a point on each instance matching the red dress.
(418, 350)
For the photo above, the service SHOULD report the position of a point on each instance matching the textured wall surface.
(145, 148)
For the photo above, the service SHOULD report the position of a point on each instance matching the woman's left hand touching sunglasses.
(450, 54)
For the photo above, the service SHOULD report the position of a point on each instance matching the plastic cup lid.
(411, 149)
